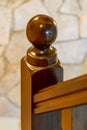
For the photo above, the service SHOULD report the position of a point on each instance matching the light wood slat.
(67, 119)
(66, 101)
(67, 87)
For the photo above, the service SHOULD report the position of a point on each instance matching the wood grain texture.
(26, 97)
(61, 89)
(68, 98)
(67, 119)
(67, 101)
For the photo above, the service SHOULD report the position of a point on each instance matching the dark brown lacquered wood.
(41, 69)
(41, 31)
(46, 104)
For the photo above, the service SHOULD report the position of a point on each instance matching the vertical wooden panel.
(26, 97)
(67, 119)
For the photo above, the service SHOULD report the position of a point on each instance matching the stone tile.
(2, 2)
(83, 4)
(25, 12)
(16, 3)
(8, 123)
(2, 66)
(1, 50)
(84, 68)
(8, 109)
(70, 7)
(83, 25)
(67, 27)
(17, 47)
(53, 5)
(9, 80)
(14, 95)
(72, 52)
(5, 25)
(72, 71)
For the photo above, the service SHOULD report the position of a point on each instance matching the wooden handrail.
(66, 94)
(66, 87)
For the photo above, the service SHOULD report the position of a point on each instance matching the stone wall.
(71, 43)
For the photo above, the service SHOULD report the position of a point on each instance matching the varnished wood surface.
(26, 97)
(67, 119)
(41, 31)
(44, 111)
(66, 97)
(61, 89)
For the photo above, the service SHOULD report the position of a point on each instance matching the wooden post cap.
(41, 31)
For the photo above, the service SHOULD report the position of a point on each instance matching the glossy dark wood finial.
(41, 31)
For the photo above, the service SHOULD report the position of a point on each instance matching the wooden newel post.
(40, 68)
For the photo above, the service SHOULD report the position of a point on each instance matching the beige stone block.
(1, 50)
(14, 95)
(9, 80)
(17, 47)
(53, 5)
(72, 52)
(83, 25)
(7, 109)
(2, 2)
(5, 25)
(16, 3)
(70, 7)
(84, 68)
(26, 11)
(68, 28)
(72, 71)
(9, 123)
(83, 4)
(2, 66)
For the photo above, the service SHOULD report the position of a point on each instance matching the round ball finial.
(41, 31)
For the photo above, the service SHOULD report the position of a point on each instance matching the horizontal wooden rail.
(63, 95)
(67, 87)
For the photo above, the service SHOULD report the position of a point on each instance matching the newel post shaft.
(40, 67)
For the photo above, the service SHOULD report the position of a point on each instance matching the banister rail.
(63, 88)
(66, 94)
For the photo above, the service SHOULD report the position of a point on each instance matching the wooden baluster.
(40, 68)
